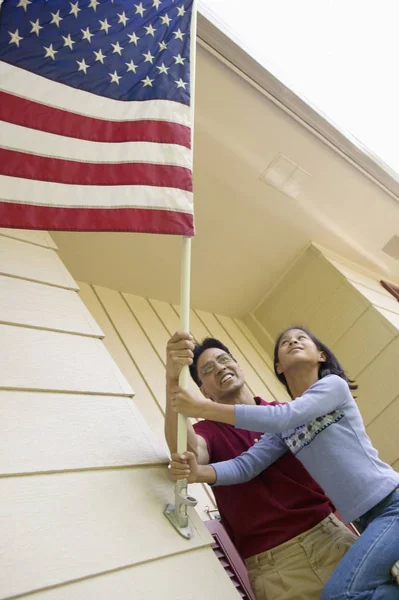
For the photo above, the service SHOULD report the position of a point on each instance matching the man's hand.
(183, 467)
(190, 403)
(179, 352)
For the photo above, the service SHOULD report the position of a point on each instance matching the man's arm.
(179, 352)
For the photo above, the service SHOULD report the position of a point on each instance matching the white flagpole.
(184, 326)
(177, 514)
(181, 486)
(186, 248)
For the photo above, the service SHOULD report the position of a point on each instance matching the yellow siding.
(378, 383)
(82, 524)
(49, 307)
(175, 578)
(144, 399)
(363, 341)
(310, 291)
(33, 262)
(38, 238)
(389, 315)
(349, 310)
(379, 298)
(58, 432)
(261, 334)
(167, 314)
(82, 478)
(47, 360)
(384, 431)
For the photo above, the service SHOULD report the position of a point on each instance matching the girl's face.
(296, 347)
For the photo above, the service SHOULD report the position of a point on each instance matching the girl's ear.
(322, 357)
(278, 369)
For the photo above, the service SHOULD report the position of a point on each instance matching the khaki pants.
(299, 568)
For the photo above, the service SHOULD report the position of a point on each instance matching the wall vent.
(285, 175)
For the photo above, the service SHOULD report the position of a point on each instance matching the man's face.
(221, 377)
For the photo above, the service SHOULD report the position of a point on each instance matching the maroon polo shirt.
(279, 504)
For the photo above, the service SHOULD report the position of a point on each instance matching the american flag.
(95, 115)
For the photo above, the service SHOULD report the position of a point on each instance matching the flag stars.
(149, 30)
(115, 77)
(156, 4)
(179, 60)
(147, 82)
(181, 84)
(165, 20)
(93, 4)
(178, 35)
(180, 11)
(83, 66)
(162, 46)
(56, 20)
(131, 66)
(117, 49)
(148, 57)
(50, 52)
(15, 38)
(104, 25)
(36, 27)
(123, 18)
(162, 69)
(140, 9)
(99, 56)
(68, 41)
(75, 9)
(87, 35)
(24, 4)
(133, 39)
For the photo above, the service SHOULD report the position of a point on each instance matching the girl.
(324, 429)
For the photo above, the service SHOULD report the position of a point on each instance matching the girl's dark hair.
(330, 367)
(206, 343)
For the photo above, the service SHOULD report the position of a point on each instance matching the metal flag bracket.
(177, 513)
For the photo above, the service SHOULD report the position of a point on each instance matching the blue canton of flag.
(123, 50)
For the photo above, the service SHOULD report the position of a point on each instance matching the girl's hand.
(190, 403)
(183, 467)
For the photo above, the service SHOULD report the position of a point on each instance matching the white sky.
(342, 56)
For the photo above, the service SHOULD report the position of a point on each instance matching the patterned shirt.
(325, 431)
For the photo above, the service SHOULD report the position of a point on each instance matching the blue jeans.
(364, 572)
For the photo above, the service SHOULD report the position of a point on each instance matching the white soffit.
(392, 247)
(214, 35)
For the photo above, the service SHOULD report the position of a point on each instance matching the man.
(281, 522)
